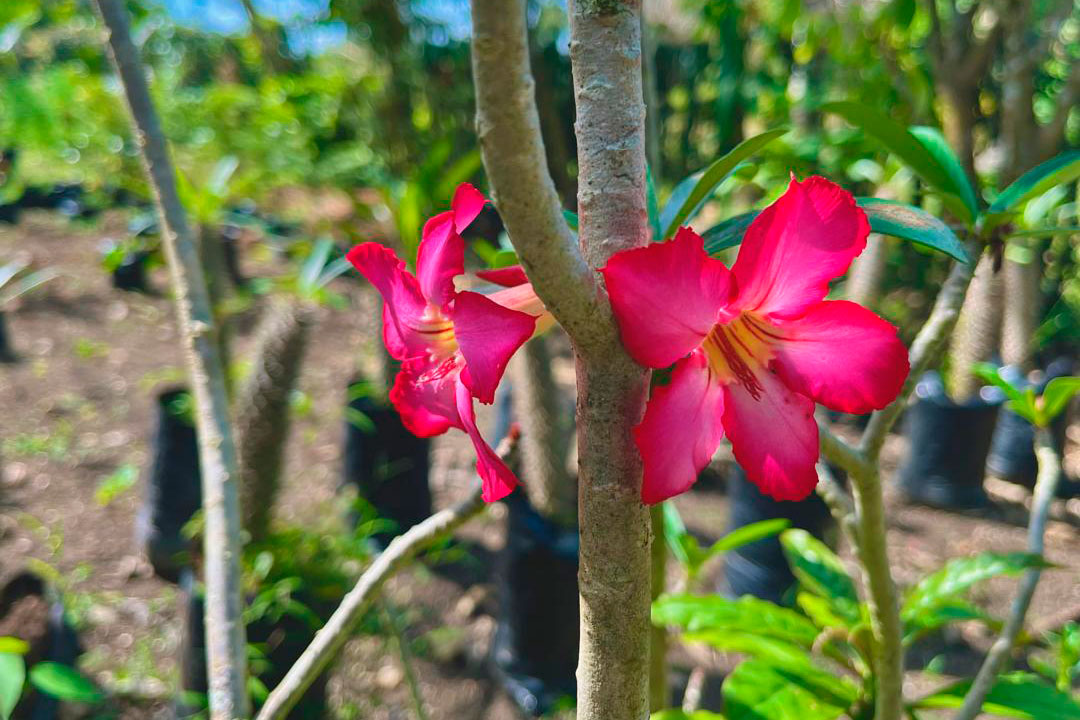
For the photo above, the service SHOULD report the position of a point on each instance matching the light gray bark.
(226, 648)
(605, 47)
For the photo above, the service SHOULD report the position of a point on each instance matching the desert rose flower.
(753, 347)
(453, 345)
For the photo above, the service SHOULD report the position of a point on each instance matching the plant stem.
(1045, 489)
(658, 637)
(605, 52)
(861, 464)
(339, 628)
(872, 549)
(401, 644)
(225, 643)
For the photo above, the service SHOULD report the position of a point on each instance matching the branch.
(508, 127)
(977, 60)
(225, 643)
(996, 659)
(924, 352)
(936, 38)
(339, 628)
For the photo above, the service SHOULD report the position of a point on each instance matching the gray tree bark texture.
(977, 331)
(225, 644)
(867, 271)
(262, 411)
(605, 51)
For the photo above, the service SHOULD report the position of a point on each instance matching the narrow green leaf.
(988, 372)
(684, 203)
(697, 613)
(1055, 171)
(1057, 395)
(728, 233)
(757, 690)
(960, 574)
(218, 184)
(935, 144)
(12, 677)
(64, 682)
(953, 611)
(1046, 231)
(820, 571)
(912, 224)
(748, 534)
(1015, 695)
(571, 219)
(897, 140)
(653, 205)
(674, 529)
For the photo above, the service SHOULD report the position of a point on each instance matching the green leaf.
(64, 682)
(14, 645)
(653, 205)
(757, 690)
(1055, 171)
(1022, 402)
(696, 613)
(820, 571)
(728, 233)
(12, 676)
(218, 183)
(1015, 695)
(748, 534)
(961, 574)
(314, 264)
(678, 714)
(1046, 231)
(954, 610)
(898, 140)
(1057, 395)
(674, 530)
(691, 193)
(936, 144)
(912, 224)
(753, 644)
(571, 219)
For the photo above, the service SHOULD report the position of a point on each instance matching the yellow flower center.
(738, 350)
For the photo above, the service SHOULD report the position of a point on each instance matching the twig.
(406, 662)
(225, 643)
(339, 628)
(1045, 489)
(838, 500)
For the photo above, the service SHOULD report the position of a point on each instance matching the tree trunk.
(262, 415)
(976, 335)
(864, 279)
(613, 677)
(225, 643)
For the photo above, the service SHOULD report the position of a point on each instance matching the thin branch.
(400, 642)
(977, 59)
(924, 352)
(329, 641)
(508, 127)
(839, 502)
(936, 38)
(225, 643)
(1045, 490)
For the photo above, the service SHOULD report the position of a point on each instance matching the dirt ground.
(78, 408)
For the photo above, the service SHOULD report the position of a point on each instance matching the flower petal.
(681, 429)
(507, 276)
(440, 258)
(497, 479)
(774, 436)
(423, 395)
(666, 297)
(843, 356)
(488, 334)
(796, 246)
(468, 202)
(403, 303)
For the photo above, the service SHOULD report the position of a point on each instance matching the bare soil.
(78, 407)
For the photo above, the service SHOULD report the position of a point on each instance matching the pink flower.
(453, 345)
(753, 347)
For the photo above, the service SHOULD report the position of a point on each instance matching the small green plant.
(1039, 410)
(16, 282)
(116, 484)
(57, 680)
